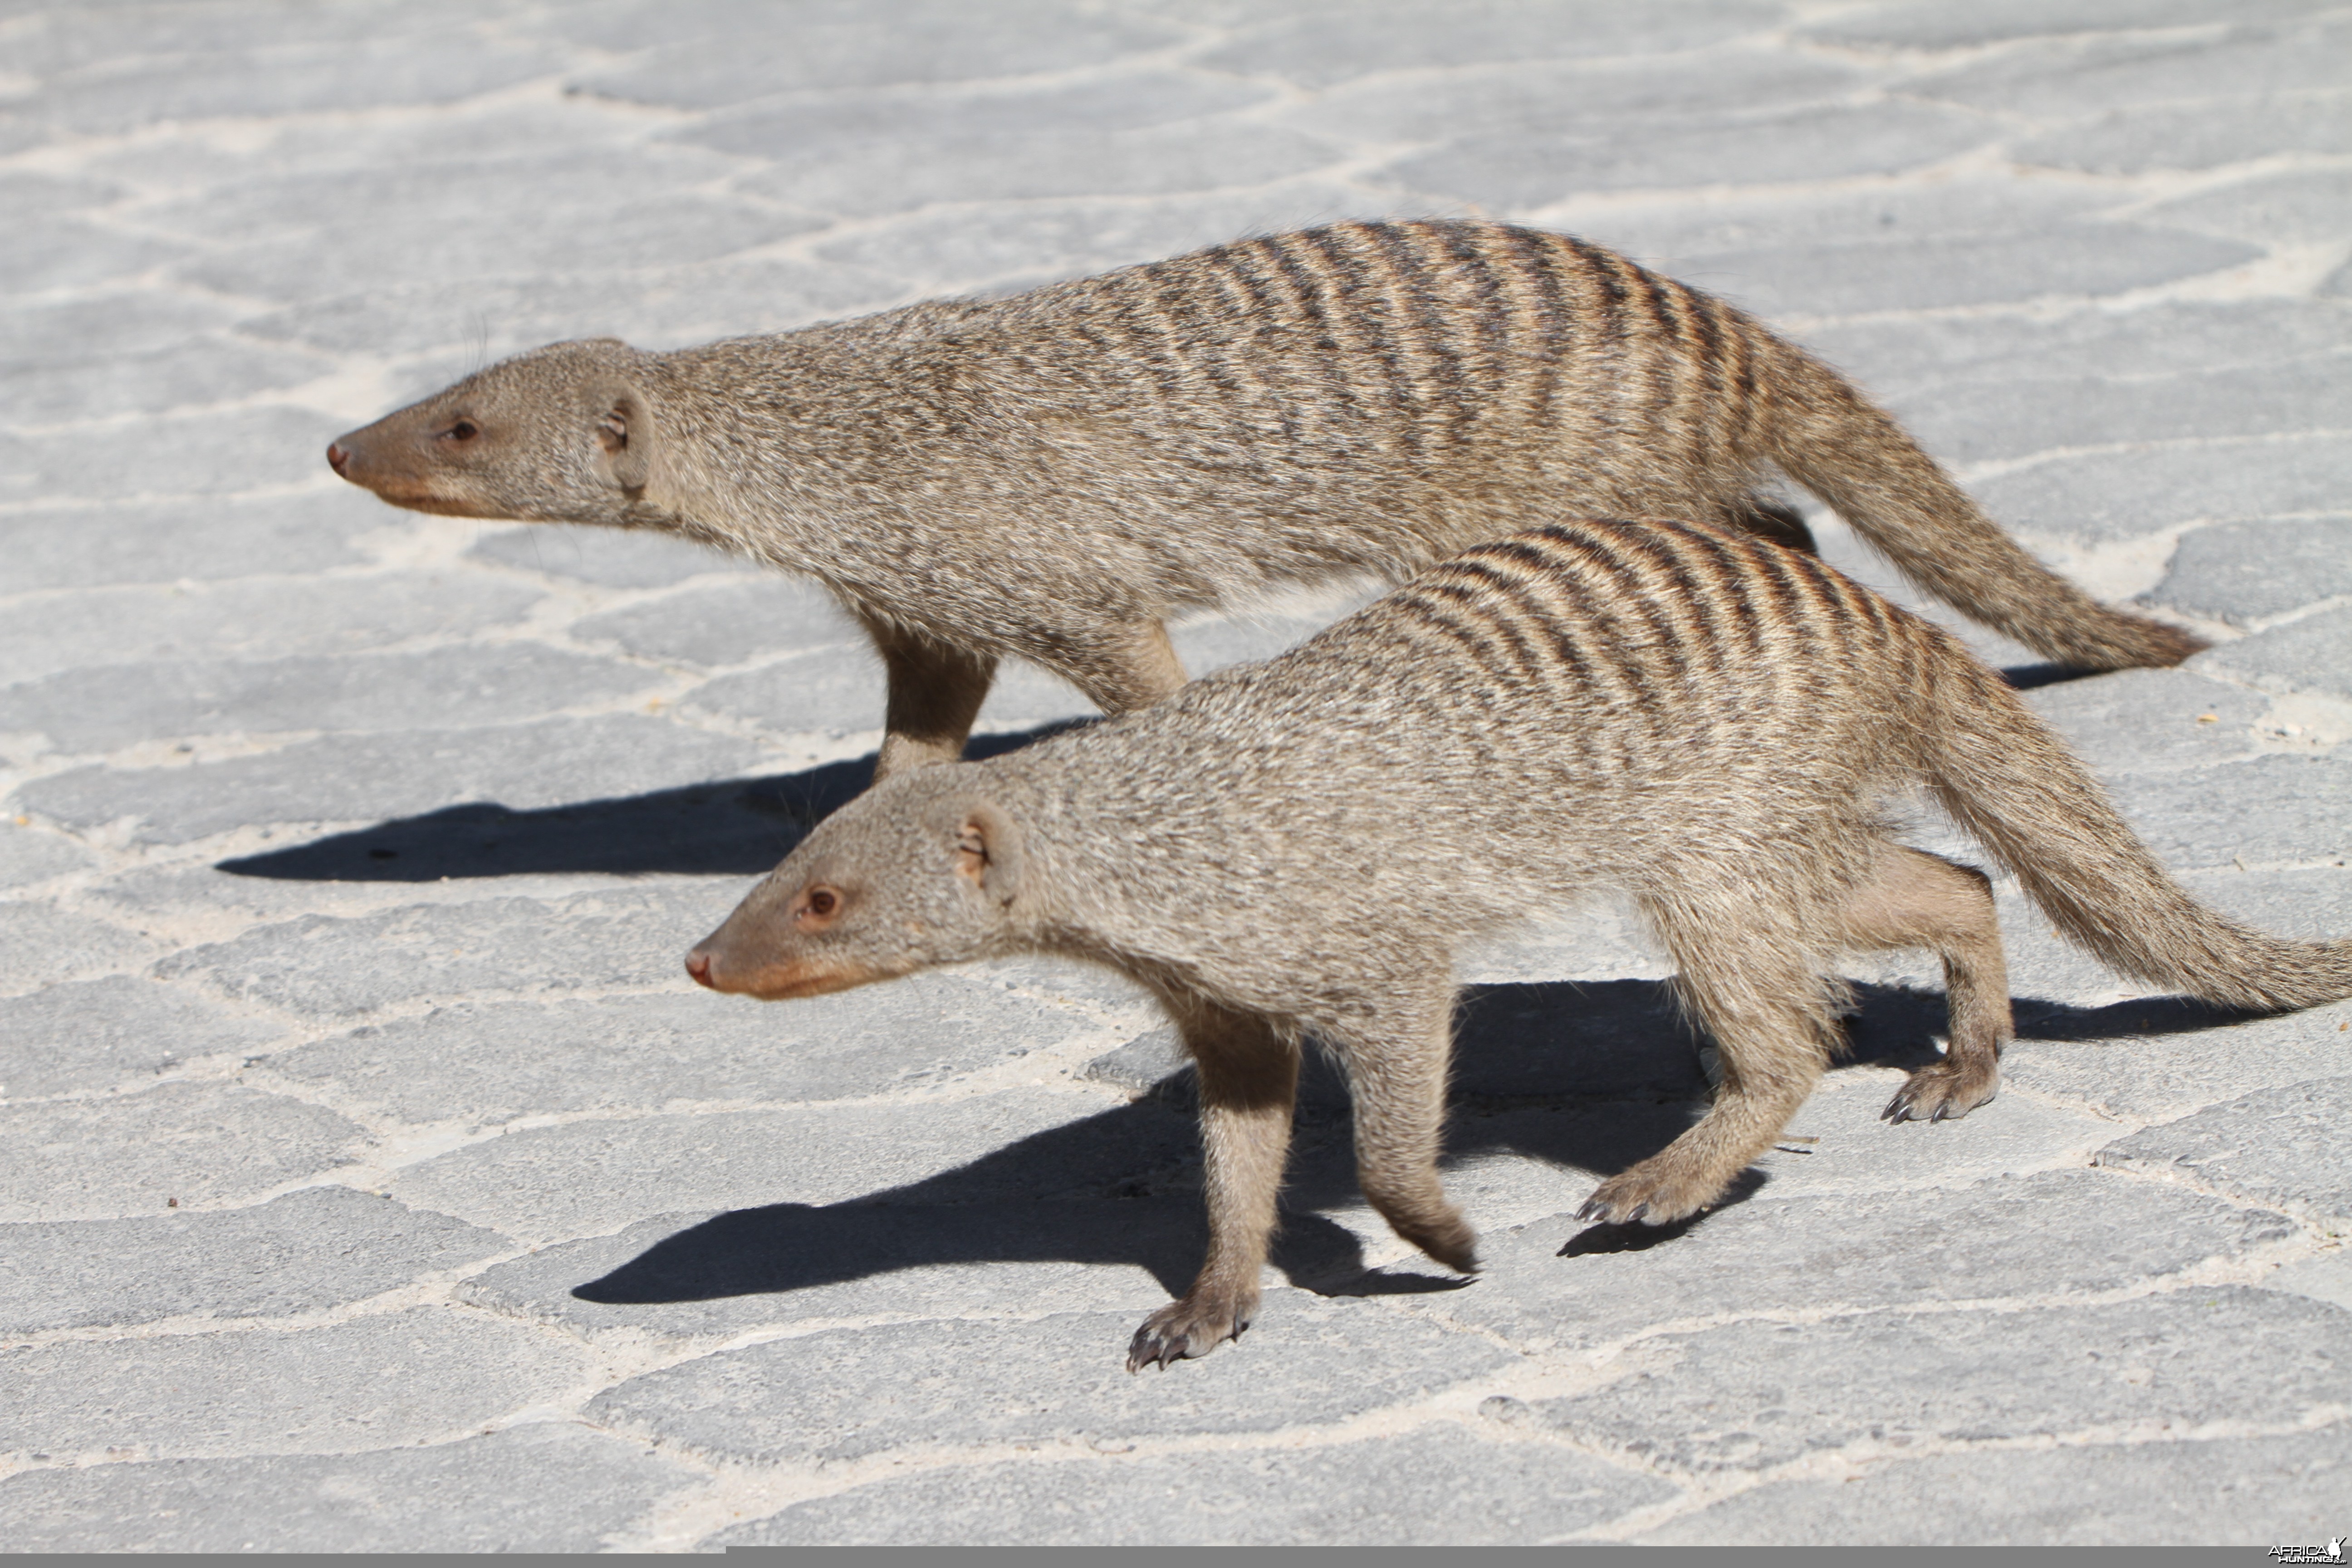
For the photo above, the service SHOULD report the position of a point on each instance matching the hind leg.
(1916, 900)
(1249, 1077)
(1770, 1015)
(1780, 523)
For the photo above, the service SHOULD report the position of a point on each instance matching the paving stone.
(2105, 1495)
(2109, 1063)
(2150, 721)
(2146, 490)
(2276, 1145)
(1853, 279)
(846, 1393)
(157, 622)
(607, 557)
(1561, 1282)
(2274, 808)
(1974, 423)
(1145, 1061)
(2314, 654)
(720, 1275)
(450, 220)
(1904, 355)
(2246, 572)
(2068, 78)
(1102, 103)
(352, 73)
(1669, 228)
(47, 253)
(372, 1381)
(217, 452)
(927, 41)
(1857, 1155)
(484, 317)
(1022, 245)
(1435, 1485)
(2325, 1277)
(1582, 95)
(350, 778)
(30, 193)
(588, 1178)
(1318, 45)
(1519, 172)
(2203, 136)
(186, 375)
(1750, 1394)
(71, 40)
(486, 1062)
(98, 1033)
(129, 322)
(207, 1145)
(305, 1252)
(543, 1487)
(2306, 208)
(99, 710)
(877, 179)
(28, 855)
(1926, 25)
(727, 625)
(325, 966)
(199, 539)
(837, 690)
(40, 945)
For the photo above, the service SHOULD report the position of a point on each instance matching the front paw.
(1942, 1092)
(1189, 1328)
(1654, 1192)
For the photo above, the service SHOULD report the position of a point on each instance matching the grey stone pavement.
(370, 1176)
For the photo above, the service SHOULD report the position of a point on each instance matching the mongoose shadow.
(1594, 1077)
(731, 828)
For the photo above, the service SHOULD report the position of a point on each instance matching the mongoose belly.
(1297, 850)
(1052, 475)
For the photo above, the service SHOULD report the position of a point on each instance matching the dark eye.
(823, 901)
(464, 430)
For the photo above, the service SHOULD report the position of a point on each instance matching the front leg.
(1121, 674)
(1396, 1083)
(935, 691)
(1249, 1078)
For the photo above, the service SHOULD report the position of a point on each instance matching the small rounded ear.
(988, 851)
(624, 430)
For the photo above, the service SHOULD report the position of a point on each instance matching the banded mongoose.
(1053, 476)
(1696, 718)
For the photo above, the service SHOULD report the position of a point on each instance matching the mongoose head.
(925, 868)
(562, 434)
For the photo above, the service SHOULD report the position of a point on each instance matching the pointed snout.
(772, 979)
(337, 455)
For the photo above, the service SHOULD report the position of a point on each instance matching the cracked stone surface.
(371, 1177)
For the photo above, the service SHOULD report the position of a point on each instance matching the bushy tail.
(2011, 782)
(1830, 439)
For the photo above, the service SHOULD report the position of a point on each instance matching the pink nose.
(698, 965)
(337, 457)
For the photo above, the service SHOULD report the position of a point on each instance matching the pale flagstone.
(371, 1178)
